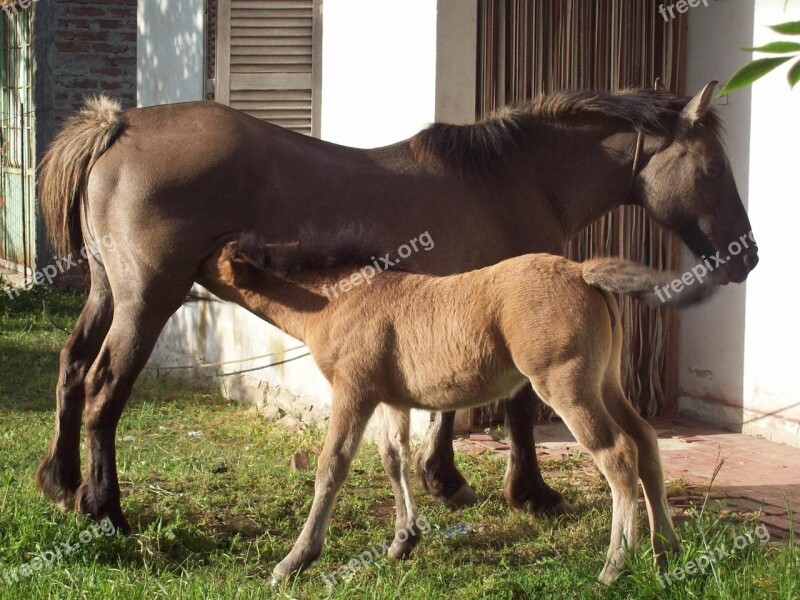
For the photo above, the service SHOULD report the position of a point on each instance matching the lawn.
(207, 487)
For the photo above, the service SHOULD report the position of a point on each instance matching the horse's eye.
(713, 172)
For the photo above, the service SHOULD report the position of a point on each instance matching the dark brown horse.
(170, 183)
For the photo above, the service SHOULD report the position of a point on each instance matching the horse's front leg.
(436, 466)
(350, 412)
(524, 484)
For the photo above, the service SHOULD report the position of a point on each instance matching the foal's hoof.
(464, 496)
(295, 562)
(401, 547)
(610, 573)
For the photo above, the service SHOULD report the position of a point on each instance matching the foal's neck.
(290, 301)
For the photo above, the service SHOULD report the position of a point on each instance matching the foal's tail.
(62, 175)
(652, 287)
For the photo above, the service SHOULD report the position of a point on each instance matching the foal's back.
(468, 339)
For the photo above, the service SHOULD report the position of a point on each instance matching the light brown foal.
(408, 341)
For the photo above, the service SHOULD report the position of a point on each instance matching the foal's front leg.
(351, 410)
(395, 455)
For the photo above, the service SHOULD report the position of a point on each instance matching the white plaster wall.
(169, 48)
(711, 336)
(736, 352)
(378, 70)
(772, 327)
(381, 62)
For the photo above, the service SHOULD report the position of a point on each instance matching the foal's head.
(686, 184)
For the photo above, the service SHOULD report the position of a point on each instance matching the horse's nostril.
(750, 261)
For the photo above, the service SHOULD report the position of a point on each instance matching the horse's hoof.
(65, 502)
(562, 508)
(86, 504)
(58, 488)
(542, 500)
(464, 496)
(121, 524)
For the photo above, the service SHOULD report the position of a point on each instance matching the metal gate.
(17, 165)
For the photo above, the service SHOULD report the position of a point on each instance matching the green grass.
(215, 511)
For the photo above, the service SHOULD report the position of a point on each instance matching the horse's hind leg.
(351, 409)
(59, 472)
(436, 465)
(523, 482)
(139, 316)
(581, 407)
(395, 456)
(651, 474)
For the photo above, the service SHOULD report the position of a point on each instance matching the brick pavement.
(755, 475)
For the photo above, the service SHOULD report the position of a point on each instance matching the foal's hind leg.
(351, 410)
(651, 474)
(139, 316)
(580, 406)
(59, 472)
(395, 456)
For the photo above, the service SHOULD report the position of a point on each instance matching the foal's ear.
(700, 104)
(251, 255)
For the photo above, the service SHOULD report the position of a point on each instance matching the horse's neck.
(584, 172)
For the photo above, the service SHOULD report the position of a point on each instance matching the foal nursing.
(442, 343)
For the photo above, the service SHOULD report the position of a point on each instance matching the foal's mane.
(480, 146)
(313, 251)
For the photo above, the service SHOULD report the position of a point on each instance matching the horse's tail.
(64, 170)
(652, 287)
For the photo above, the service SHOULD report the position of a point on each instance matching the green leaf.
(751, 72)
(794, 74)
(789, 28)
(776, 48)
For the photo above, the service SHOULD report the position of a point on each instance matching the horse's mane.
(478, 147)
(347, 246)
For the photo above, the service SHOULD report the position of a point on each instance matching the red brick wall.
(95, 52)
(81, 48)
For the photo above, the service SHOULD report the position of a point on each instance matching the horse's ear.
(699, 105)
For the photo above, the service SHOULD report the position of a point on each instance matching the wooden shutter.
(268, 60)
